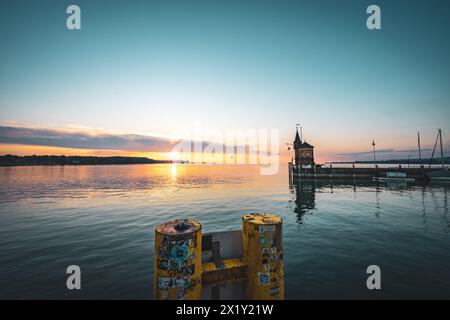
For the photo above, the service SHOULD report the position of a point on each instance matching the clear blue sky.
(151, 67)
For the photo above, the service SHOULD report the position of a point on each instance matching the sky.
(140, 74)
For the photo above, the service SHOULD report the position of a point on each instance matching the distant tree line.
(12, 160)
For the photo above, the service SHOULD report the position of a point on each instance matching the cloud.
(84, 140)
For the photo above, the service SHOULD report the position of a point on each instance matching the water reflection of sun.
(173, 170)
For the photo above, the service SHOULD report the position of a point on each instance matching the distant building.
(304, 152)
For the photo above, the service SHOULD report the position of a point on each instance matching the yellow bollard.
(262, 241)
(178, 260)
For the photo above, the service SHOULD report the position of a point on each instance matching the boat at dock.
(440, 175)
(443, 174)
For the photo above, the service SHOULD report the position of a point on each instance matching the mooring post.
(178, 260)
(262, 241)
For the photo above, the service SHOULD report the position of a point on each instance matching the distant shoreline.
(20, 161)
(74, 165)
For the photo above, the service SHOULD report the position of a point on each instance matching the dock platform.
(417, 174)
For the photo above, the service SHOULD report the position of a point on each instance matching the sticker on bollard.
(177, 261)
(262, 236)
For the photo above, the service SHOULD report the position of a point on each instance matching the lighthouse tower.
(304, 153)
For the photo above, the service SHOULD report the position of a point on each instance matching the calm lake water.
(102, 218)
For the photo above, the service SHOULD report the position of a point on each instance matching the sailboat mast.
(434, 149)
(442, 151)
